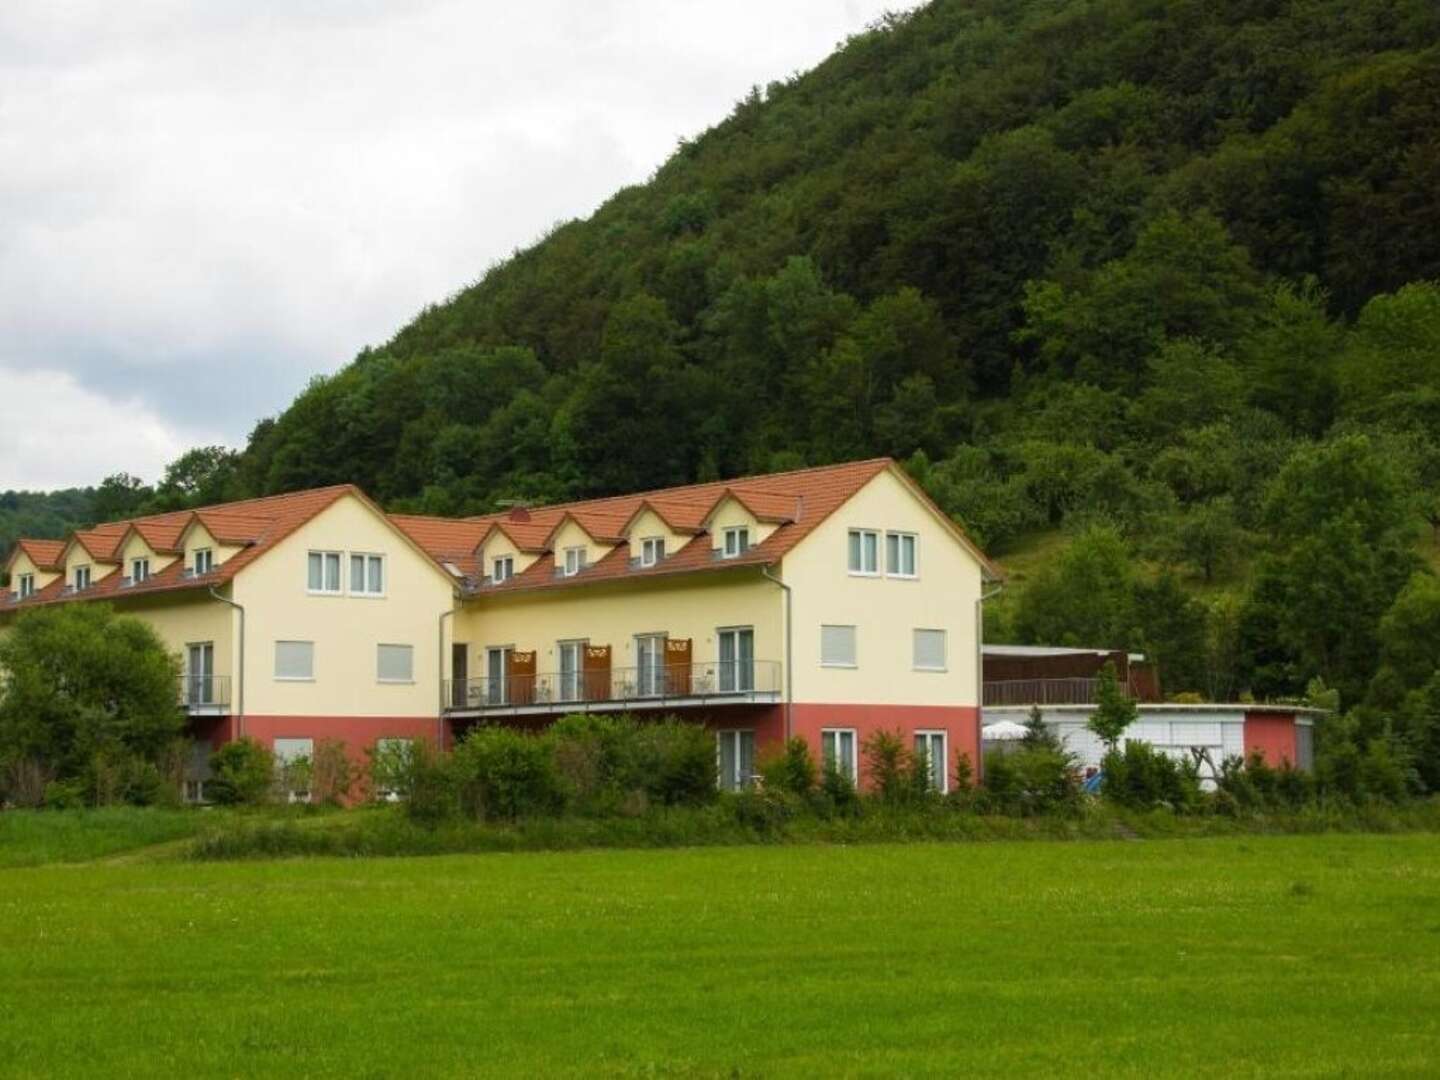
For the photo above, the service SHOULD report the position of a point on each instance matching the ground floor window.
(293, 758)
(931, 745)
(390, 767)
(736, 757)
(837, 751)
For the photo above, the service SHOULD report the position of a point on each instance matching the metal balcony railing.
(639, 687)
(204, 693)
(1046, 692)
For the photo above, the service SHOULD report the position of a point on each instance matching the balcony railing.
(205, 694)
(636, 687)
(1046, 692)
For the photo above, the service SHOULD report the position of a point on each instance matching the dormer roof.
(45, 554)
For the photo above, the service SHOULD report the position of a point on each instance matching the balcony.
(205, 695)
(756, 682)
(1046, 692)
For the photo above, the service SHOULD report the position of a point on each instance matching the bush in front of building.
(1143, 778)
(331, 775)
(1252, 784)
(86, 695)
(791, 769)
(501, 773)
(242, 773)
(1029, 780)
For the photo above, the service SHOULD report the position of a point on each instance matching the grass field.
(1307, 955)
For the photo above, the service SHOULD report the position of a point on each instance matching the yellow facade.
(23, 564)
(885, 610)
(346, 629)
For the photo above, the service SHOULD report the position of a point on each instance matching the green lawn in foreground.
(29, 838)
(1316, 955)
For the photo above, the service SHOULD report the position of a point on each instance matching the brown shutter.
(597, 672)
(677, 667)
(520, 674)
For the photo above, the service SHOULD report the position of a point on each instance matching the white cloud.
(203, 205)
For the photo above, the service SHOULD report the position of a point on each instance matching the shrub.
(242, 773)
(792, 769)
(1033, 779)
(389, 769)
(1253, 784)
(65, 795)
(1143, 778)
(331, 775)
(766, 811)
(673, 762)
(503, 773)
(427, 784)
(889, 766)
(837, 795)
(588, 753)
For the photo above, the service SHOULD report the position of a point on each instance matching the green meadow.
(1247, 955)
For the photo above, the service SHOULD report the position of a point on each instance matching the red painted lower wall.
(358, 733)
(1272, 736)
(960, 723)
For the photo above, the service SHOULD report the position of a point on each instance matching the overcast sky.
(204, 204)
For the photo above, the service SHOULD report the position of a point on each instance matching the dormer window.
(735, 541)
(25, 586)
(82, 578)
(502, 569)
(205, 562)
(139, 571)
(652, 550)
(574, 560)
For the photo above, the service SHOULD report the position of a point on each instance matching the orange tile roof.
(259, 524)
(797, 502)
(45, 554)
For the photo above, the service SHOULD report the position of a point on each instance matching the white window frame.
(324, 557)
(371, 560)
(651, 676)
(915, 648)
(900, 537)
(294, 678)
(652, 550)
(834, 733)
(855, 553)
(735, 735)
(734, 541)
(740, 673)
(929, 734)
(499, 561)
(575, 560)
(854, 642)
(394, 682)
(206, 556)
(575, 690)
(82, 573)
(24, 586)
(139, 570)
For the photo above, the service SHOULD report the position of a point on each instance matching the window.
(497, 672)
(367, 575)
(737, 660)
(205, 562)
(293, 758)
(26, 585)
(392, 760)
(395, 663)
(295, 661)
(837, 646)
(931, 746)
(864, 551)
(502, 569)
(82, 578)
(929, 648)
(572, 665)
(900, 554)
(736, 541)
(200, 674)
(139, 571)
(652, 550)
(650, 658)
(735, 754)
(837, 751)
(574, 560)
(324, 576)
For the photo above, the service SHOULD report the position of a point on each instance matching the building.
(1062, 683)
(826, 603)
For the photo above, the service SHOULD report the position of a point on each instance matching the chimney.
(519, 513)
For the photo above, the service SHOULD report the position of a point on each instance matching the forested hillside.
(1155, 275)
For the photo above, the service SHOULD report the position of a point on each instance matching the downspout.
(980, 679)
(789, 650)
(240, 679)
(440, 716)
